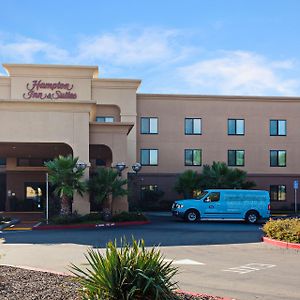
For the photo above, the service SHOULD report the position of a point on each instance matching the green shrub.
(287, 230)
(129, 216)
(92, 217)
(66, 219)
(131, 272)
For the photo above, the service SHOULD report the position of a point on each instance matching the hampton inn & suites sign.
(38, 89)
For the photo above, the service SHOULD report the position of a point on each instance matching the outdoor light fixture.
(120, 166)
(80, 165)
(136, 167)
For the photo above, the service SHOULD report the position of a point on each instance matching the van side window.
(214, 197)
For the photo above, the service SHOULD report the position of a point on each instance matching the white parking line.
(252, 267)
(185, 262)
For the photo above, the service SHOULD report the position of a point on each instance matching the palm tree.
(105, 183)
(187, 183)
(65, 176)
(220, 176)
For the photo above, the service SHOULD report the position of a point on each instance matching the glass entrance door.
(35, 196)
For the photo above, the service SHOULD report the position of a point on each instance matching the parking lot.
(219, 258)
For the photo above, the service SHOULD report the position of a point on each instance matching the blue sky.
(233, 47)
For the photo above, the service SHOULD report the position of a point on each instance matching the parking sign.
(296, 184)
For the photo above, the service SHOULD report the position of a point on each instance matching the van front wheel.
(192, 216)
(252, 217)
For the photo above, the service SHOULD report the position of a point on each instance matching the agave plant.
(130, 272)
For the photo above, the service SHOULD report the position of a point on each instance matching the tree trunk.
(65, 209)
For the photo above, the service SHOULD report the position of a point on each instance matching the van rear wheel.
(192, 216)
(252, 217)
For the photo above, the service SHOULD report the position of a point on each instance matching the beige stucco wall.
(214, 141)
(121, 93)
(4, 88)
(67, 120)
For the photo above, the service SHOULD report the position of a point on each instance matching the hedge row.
(287, 230)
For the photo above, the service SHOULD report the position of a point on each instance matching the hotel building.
(47, 110)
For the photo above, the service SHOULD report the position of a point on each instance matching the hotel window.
(277, 158)
(32, 162)
(192, 126)
(236, 158)
(2, 161)
(236, 127)
(278, 192)
(192, 157)
(149, 157)
(105, 119)
(278, 127)
(149, 125)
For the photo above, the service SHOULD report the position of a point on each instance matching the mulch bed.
(21, 284)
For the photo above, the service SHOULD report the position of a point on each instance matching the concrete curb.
(199, 295)
(12, 222)
(89, 226)
(281, 244)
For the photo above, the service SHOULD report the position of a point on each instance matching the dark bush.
(67, 219)
(129, 216)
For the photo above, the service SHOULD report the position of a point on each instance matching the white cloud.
(240, 72)
(26, 50)
(166, 60)
(131, 47)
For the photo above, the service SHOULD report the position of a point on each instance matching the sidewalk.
(26, 220)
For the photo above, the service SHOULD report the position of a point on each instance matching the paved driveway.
(218, 258)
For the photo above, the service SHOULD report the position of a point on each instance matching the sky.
(215, 47)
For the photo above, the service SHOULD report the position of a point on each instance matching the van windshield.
(201, 194)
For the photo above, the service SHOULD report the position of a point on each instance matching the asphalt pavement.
(218, 258)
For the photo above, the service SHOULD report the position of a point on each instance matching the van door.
(212, 205)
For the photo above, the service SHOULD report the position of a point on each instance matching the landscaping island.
(283, 233)
(19, 284)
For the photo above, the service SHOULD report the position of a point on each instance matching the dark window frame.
(277, 165)
(193, 131)
(148, 149)
(105, 117)
(148, 118)
(235, 132)
(235, 160)
(2, 162)
(192, 165)
(32, 159)
(277, 131)
(277, 192)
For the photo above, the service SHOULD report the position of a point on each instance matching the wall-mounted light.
(120, 166)
(136, 167)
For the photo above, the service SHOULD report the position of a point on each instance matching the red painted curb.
(199, 295)
(85, 226)
(281, 244)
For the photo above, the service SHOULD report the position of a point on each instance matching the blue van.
(248, 205)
